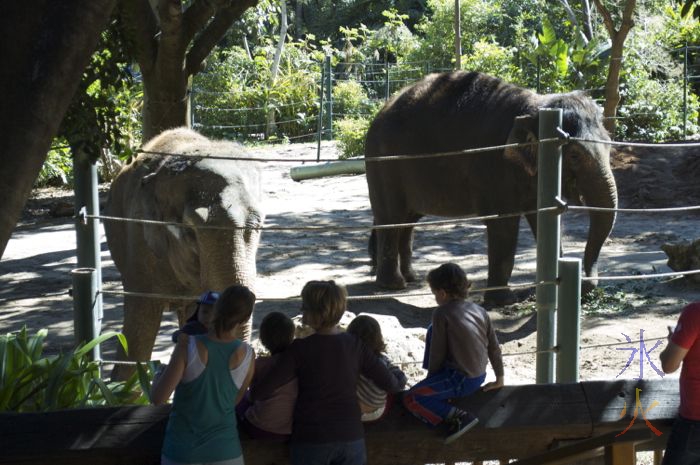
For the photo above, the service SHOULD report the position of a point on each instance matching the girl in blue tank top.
(209, 374)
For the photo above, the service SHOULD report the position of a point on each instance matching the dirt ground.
(35, 269)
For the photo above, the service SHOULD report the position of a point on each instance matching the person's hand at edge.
(493, 384)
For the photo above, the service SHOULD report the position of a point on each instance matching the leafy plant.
(605, 300)
(351, 133)
(33, 382)
(57, 170)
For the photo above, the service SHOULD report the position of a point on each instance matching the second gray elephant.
(218, 200)
(456, 111)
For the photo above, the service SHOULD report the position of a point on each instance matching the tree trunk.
(45, 45)
(618, 37)
(171, 42)
(271, 126)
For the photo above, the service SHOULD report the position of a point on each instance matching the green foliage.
(605, 301)
(393, 39)
(491, 58)
(233, 96)
(437, 36)
(651, 107)
(57, 170)
(323, 18)
(350, 99)
(351, 134)
(32, 382)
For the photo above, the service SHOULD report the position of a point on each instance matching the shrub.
(491, 58)
(57, 170)
(350, 99)
(351, 133)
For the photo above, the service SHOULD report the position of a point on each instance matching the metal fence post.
(548, 231)
(568, 320)
(85, 298)
(685, 88)
(88, 234)
(329, 98)
(386, 79)
(320, 112)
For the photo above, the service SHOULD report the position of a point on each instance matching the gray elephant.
(174, 260)
(460, 110)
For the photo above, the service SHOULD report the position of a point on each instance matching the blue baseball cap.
(209, 298)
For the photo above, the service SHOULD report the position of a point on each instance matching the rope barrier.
(554, 349)
(636, 144)
(634, 210)
(271, 107)
(641, 276)
(350, 298)
(437, 223)
(416, 156)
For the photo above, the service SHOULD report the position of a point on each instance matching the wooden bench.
(516, 422)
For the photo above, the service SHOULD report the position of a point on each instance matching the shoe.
(461, 423)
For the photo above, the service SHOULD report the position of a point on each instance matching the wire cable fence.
(378, 81)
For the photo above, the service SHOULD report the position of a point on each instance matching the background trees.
(628, 55)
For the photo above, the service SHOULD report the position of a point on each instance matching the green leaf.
(80, 352)
(548, 35)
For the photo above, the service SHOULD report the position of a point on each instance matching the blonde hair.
(323, 303)
(234, 306)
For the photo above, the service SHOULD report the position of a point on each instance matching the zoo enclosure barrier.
(568, 276)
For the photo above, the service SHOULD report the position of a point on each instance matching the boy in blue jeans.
(461, 341)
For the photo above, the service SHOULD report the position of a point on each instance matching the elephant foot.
(392, 283)
(409, 275)
(587, 287)
(499, 298)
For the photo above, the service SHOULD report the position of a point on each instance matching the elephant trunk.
(598, 189)
(218, 271)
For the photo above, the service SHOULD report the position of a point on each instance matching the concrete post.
(569, 320)
(548, 232)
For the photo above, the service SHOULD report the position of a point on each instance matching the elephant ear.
(524, 130)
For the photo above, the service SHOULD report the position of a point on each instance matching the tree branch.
(141, 26)
(198, 15)
(607, 18)
(215, 30)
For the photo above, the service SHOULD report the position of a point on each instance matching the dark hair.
(276, 332)
(234, 306)
(367, 329)
(450, 278)
(323, 303)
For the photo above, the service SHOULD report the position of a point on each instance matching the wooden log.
(515, 422)
(331, 168)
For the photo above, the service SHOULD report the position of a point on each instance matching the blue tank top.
(202, 423)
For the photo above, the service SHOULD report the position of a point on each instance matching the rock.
(684, 256)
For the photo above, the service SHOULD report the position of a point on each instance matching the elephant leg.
(372, 249)
(142, 319)
(388, 275)
(406, 253)
(502, 237)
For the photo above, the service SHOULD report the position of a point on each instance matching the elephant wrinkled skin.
(219, 201)
(459, 110)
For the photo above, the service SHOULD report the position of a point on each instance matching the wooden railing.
(546, 423)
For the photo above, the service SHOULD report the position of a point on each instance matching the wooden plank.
(620, 454)
(608, 399)
(588, 447)
(516, 421)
